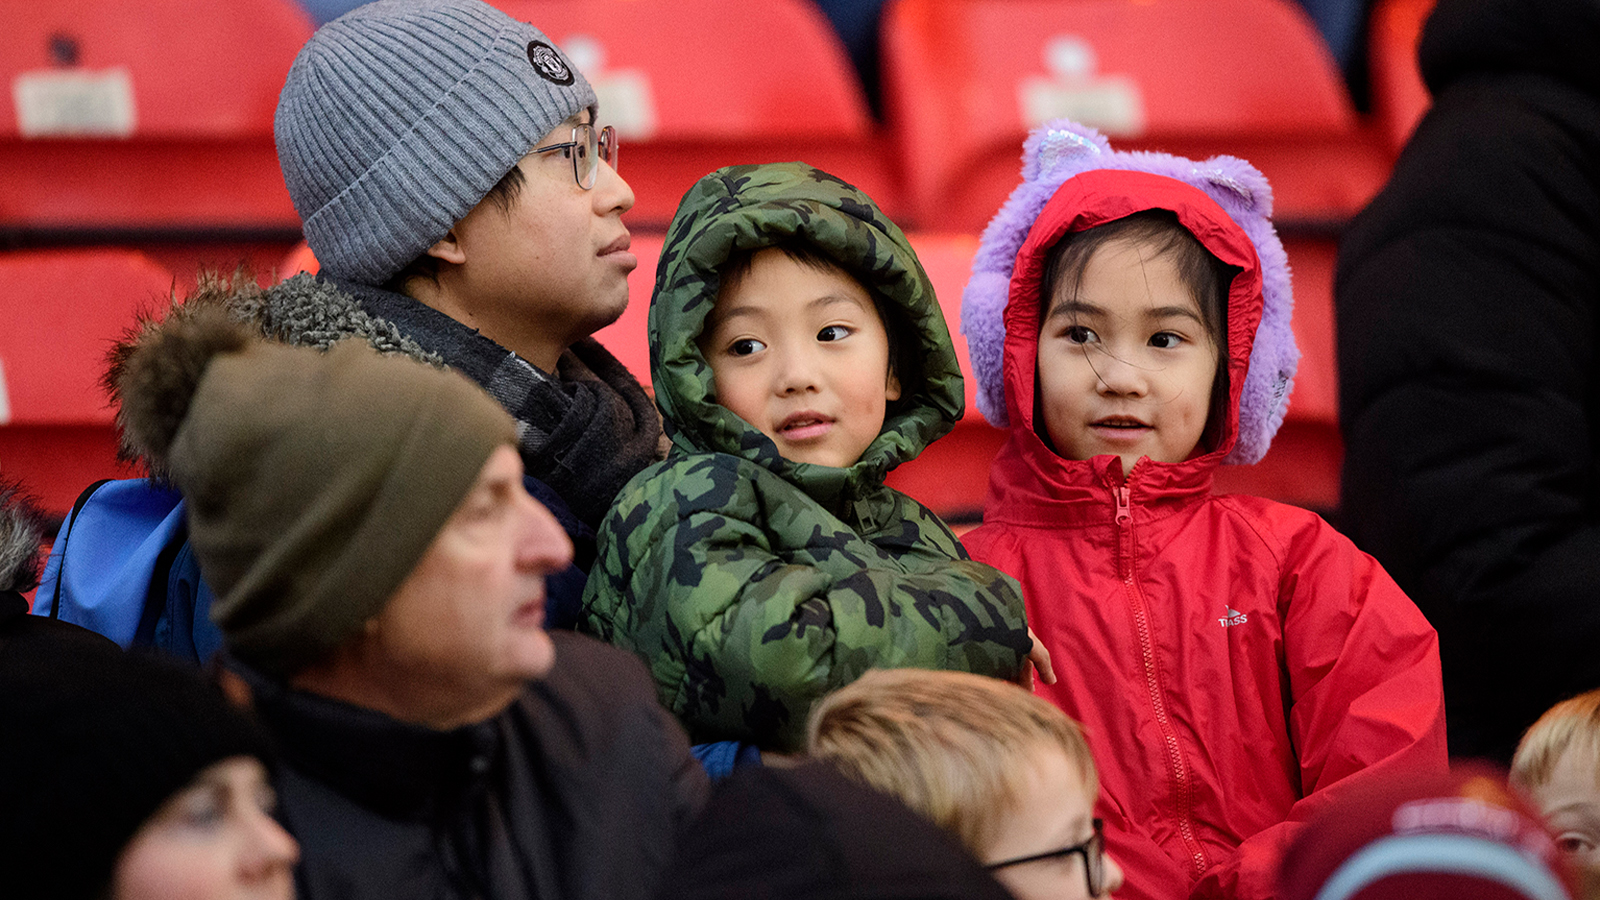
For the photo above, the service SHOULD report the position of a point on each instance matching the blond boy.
(1557, 765)
(1003, 770)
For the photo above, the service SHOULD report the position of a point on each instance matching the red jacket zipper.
(1182, 796)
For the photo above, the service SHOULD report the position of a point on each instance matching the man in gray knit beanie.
(461, 197)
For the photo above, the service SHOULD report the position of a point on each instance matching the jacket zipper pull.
(1124, 512)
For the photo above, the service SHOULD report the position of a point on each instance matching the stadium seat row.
(151, 121)
(156, 117)
(65, 308)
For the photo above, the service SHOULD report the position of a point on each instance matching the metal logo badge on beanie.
(548, 63)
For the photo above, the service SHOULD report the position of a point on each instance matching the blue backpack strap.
(52, 567)
(104, 567)
(156, 600)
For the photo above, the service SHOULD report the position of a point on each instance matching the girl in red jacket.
(1236, 663)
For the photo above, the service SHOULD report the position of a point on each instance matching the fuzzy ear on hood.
(1059, 150)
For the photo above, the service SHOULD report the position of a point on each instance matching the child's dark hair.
(1202, 273)
(1198, 269)
(905, 363)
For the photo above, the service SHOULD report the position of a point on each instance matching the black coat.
(1468, 303)
(810, 833)
(580, 789)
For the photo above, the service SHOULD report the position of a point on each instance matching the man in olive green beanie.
(379, 570)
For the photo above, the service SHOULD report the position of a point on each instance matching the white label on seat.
(1111, 103)
(5, 396)
(75, 103)
(626, 101)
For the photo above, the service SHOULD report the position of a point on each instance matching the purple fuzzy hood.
(1059, 150)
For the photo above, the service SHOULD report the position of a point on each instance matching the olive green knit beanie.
(314, 481)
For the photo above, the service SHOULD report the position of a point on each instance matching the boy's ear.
(448, 249)
(892, 391)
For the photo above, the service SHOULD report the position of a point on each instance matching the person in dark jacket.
(460, 197)
(121, 777)
(380, 572)
(1468, 303)
(811, 833)
(457, 189)
(129, 777)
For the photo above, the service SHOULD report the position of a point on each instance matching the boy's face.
(1125, 366)
(557, 260)
(1054, 811)
(800, 353)
(1570, 803)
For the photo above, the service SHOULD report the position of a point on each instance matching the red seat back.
(1399, 97)
(692, 86)
(966, 79)
(154, 115)
(60, 313)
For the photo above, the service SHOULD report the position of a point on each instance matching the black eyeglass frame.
(1094, 859)
(596, 145)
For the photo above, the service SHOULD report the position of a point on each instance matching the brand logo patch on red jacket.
(1234, 617)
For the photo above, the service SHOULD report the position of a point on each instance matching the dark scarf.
(584, 432)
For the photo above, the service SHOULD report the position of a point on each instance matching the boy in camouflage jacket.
(753, 582)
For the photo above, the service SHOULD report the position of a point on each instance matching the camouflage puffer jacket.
(753, 585)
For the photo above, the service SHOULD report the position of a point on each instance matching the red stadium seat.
(1399, 98)
(966, 79)
(952, 476)
(151, 117)
(60, 312)
(300, 259)
(628, 338)
(692, 86)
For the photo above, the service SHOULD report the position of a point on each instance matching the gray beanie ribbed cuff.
(398, 117)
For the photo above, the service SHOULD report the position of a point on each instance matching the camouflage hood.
(751, 585)
(750, 207)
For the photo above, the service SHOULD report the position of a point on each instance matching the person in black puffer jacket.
(1468, 299)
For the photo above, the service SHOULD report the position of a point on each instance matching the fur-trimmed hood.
(1072, 181)
(21, 528)
(302, 311)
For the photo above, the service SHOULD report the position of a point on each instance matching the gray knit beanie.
(399, 116)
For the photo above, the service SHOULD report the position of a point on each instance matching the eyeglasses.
(1094, 858)
(587, 147)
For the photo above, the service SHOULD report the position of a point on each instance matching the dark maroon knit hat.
(1427, 836)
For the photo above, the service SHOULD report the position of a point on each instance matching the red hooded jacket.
(1235, 662)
